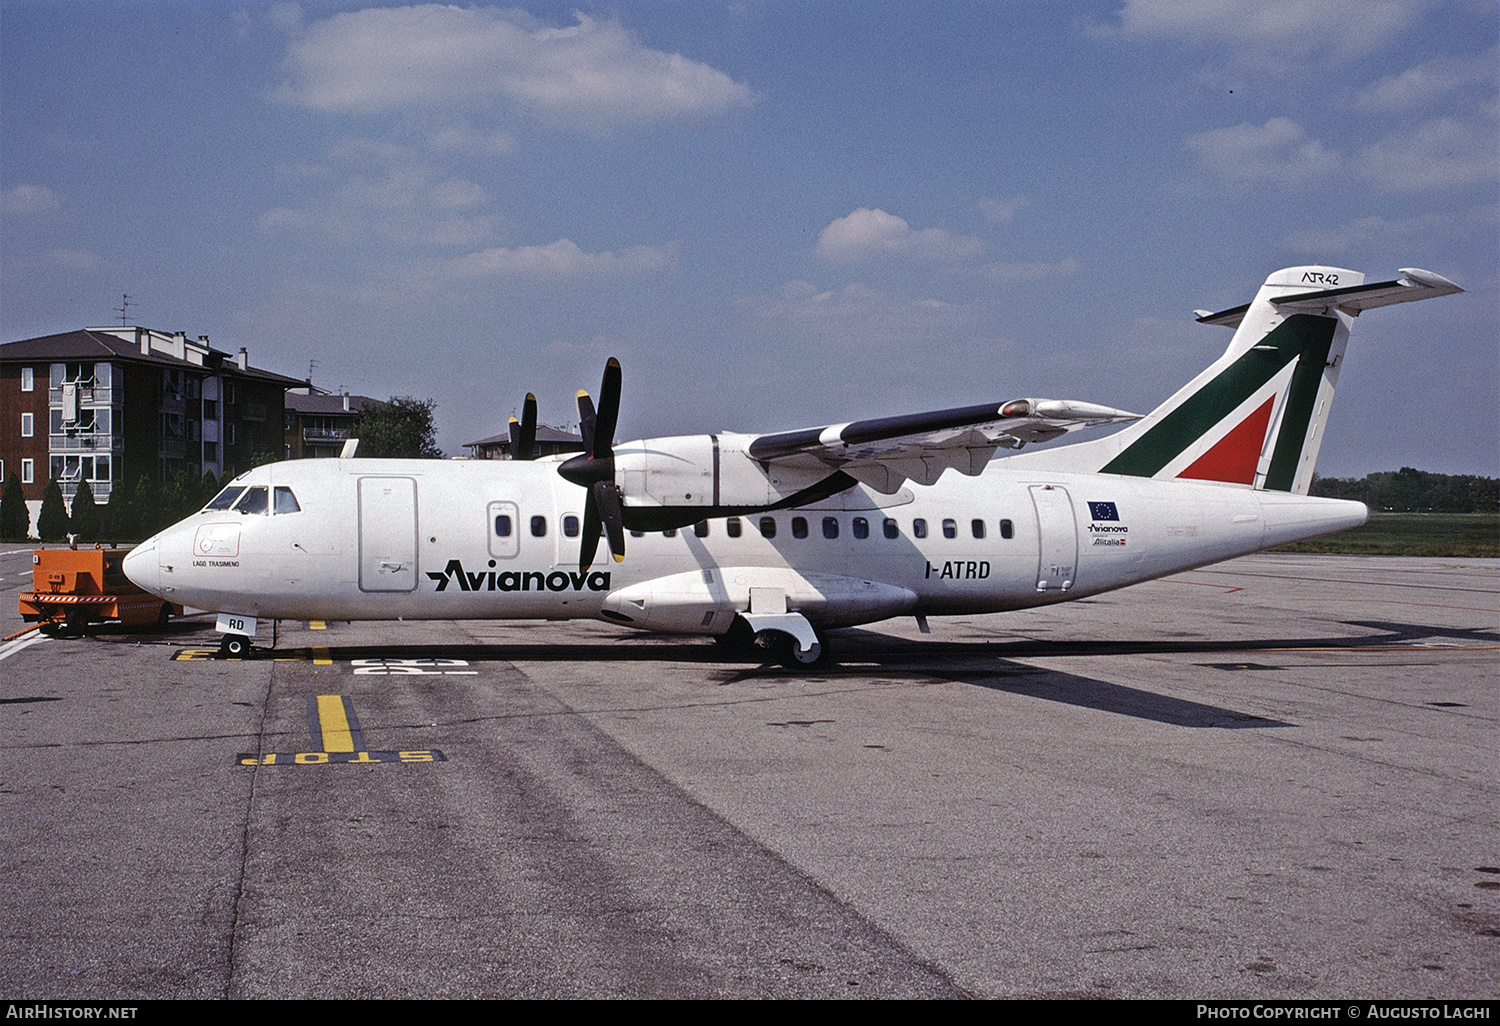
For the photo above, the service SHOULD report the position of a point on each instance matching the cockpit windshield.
(224, 499)
(255, 500)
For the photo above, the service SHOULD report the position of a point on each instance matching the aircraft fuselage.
(388, 539)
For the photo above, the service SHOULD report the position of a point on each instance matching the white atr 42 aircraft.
(779, 537)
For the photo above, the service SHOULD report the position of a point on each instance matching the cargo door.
(387, 534)
(1057, 533)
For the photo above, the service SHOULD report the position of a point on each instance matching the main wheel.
(234, 646)
(793, 657)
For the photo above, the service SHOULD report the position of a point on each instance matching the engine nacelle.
(672, 482)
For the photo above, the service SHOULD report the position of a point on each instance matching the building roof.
(329, 405)
(543, 434)
(93, 344)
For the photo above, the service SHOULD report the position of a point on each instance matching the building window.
(28, 424)
(28, 473)
(28, 379)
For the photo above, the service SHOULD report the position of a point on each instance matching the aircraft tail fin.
(1256, 416)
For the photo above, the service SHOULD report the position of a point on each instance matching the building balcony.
(85, 443)
(327, 434)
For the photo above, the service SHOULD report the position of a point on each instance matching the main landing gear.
(742, 639)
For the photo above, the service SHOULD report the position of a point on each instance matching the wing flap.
(885, 452)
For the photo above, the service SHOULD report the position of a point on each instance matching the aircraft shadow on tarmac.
(988, 664)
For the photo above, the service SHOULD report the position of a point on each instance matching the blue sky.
(775, 214)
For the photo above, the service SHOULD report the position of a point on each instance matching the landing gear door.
(1057, 531)
(387, 534)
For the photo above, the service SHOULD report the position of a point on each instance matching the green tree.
(15, 520)
(85, 515)
(52, 521)
(399, 429)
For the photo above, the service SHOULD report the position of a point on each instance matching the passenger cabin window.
(539, 527)
(570, 526)
(861, 527)
(768, 527)
(701, 529)
(637, 534)
(799, 527)
(950, 529)
(891, 530)
(919, 528)
(670, 532)
(733, 528)
(224, 499)
(286, 502)
(503, 526)
(1007, 529)
(256, 501)
(977, 526)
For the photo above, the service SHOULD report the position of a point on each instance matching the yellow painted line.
(337, 737)
(317, 625)
(321, 656)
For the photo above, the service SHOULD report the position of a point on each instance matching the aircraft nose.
(143, 567)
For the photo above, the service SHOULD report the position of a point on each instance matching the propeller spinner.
(595, 469)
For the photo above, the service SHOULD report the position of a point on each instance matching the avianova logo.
(518, 580)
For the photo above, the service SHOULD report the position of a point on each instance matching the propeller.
(595, 469)
(523, 432)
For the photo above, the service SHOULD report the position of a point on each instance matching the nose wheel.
(234, 646)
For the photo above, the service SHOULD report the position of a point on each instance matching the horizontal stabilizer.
(1413, 284)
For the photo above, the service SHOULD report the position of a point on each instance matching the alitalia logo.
(518, 580)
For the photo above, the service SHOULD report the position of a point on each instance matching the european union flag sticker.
(1103, 511)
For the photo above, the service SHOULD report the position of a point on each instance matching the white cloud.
(869, 234)
(593, 75)
(471, 141)
(1029, 273)
(1444, 153)
(560, 260)
(1425, 233)
(1291, 27)
(857, 315)
(1001, 211)
(1279, 152)
(387, 192)
(1430, 82)
(29, 201)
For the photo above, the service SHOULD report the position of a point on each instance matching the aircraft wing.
(885, 452)
(1413, 284)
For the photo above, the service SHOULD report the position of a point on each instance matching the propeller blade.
(606, 496)
(523, 431)
(609, 410)
(586, 417)
(590, 540)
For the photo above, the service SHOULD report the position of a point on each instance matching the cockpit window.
(256, 500)
(286, 502)
(225, 499)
